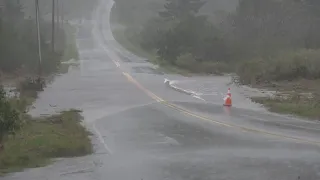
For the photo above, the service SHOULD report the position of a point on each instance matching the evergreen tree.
(181, 9)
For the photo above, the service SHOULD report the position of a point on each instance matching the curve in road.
(145, 130)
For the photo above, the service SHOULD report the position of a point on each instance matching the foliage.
(295, 104)
(138, 12)
(262, 41)
(181, 9)
(9, 117)
(41, 139)
(19, 45)
(184, 32)
(288, 65)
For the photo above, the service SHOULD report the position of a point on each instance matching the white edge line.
(101, 139)
(198, 97)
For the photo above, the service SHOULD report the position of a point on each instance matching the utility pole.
(62, 13)
(53, 27)
(58, 15)
(39, 42)
(58, 40)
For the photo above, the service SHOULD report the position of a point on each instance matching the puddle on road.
(147, 70)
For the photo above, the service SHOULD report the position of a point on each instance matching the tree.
(181, 9)
(18, 42)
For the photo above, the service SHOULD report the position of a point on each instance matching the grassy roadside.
(42, 139)
(303, 109)
(39, 140)
(300, 98)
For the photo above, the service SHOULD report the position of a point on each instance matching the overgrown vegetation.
(261, 41)
(9, 118)
(18, 42)
(27, 142)
(293, 105)
(18, 38)
(39, 140)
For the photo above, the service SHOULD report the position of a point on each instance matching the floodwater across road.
(145, 130)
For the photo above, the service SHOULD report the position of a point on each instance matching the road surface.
(145, 130)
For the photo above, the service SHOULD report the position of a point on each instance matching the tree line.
(260, 40)
(19, 52)
(71, 9)
(19, 45)
(18, 33)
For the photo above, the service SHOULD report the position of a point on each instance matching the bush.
(289, 65)
(19, 45)
(217, 68)
(187, 61)
(300, 64)
(296, 104)
(9, 117)
(250, 72)
(41, 139)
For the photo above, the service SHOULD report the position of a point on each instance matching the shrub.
(289, 65)
(187, 61)
(9, 117)
(217, 68)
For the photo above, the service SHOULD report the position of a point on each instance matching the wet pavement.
(137, 137)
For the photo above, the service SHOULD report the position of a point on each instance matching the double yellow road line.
(192, 114)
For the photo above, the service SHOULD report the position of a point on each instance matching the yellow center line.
(230, 125)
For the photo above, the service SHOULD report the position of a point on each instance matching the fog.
(72, 9)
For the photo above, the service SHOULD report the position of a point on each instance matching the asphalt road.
(145, 130)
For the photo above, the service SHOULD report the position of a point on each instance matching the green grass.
(42, 139)
(308, 109)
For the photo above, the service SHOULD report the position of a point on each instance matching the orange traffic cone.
(227, 99)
